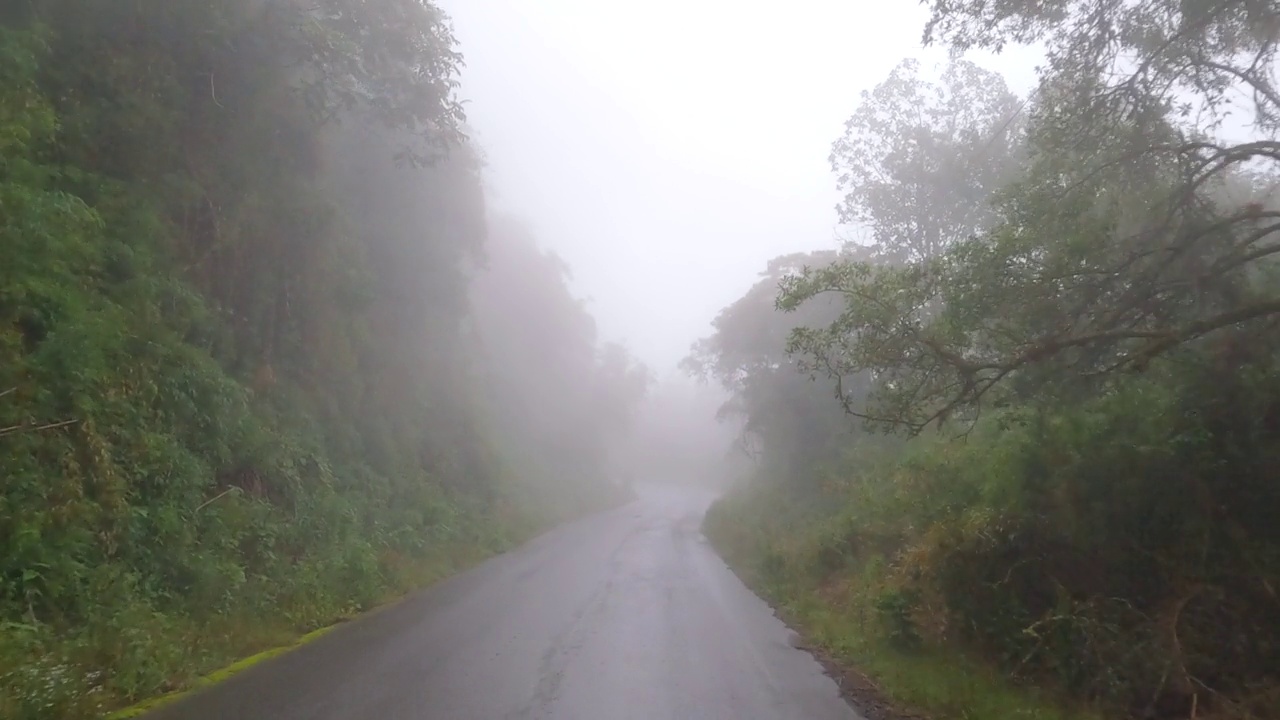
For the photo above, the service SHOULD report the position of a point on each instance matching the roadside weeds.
(427, 576)
(884, 683)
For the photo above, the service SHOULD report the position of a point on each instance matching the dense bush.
(1122, 548)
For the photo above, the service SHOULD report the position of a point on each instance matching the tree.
(919, 161)
(1106, 342)
(787, 418)
(392, 61)
(621, 383)
(1125, 57)
(561, 400)
(1131, 231)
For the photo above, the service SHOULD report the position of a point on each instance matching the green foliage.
(1098, 357)
(238, 396)
(839, 611)
(1107, 549)
(1134, 228)
(786, 418)
(918, 161)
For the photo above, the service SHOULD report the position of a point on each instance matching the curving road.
(625, 614)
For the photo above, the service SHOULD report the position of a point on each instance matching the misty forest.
(270, 358)
(253, 376)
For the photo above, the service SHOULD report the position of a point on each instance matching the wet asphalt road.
(626, 614)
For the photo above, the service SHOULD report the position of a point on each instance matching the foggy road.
(625, 614)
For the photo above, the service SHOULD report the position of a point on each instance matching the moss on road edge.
(218, 676)
(436, 575)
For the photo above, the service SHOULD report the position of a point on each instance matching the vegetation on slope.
(1070, 303)
(242, 391)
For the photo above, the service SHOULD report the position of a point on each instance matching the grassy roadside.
(217, 676)
(246, 644)
(252, 644)
(842, 626)
(895, 684)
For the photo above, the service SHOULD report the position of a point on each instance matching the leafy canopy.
(1135, 227)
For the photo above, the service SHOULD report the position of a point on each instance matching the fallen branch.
(15, 429)
(210, 501)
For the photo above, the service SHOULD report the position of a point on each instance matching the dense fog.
(966, 311)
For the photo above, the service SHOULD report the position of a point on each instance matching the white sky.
(668, 149)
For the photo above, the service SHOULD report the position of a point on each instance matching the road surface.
(628, 614)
